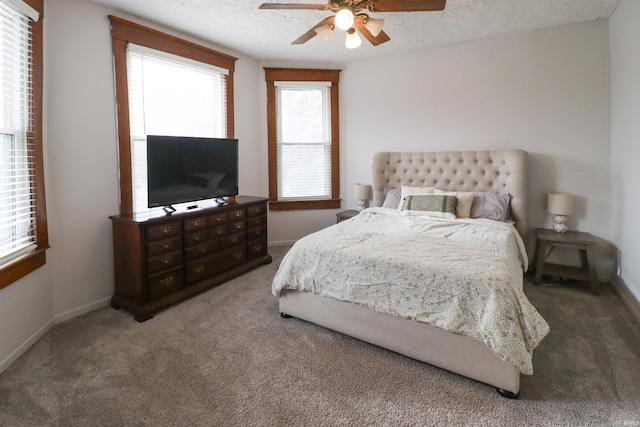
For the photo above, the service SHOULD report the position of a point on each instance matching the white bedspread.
(463, 276)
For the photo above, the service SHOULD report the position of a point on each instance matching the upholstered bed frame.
(498, 171)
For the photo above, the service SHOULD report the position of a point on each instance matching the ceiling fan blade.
(407, 5)
(312, 32)
(374, 40)
(294, 6)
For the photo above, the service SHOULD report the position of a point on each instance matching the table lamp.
(362, 194)
(560, 205)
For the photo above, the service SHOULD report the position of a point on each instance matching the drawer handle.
(258, 232)
(197, 237)
(238, 225)
(202, 248)
(166, 259)
(166, 282)
(219, 232)
(198, 270)
(166, 229)
(196, 222)
(257, 248)
(237, 214)
(218, 218)
(234, 239)
(237, 255)
(166, 246)
(258, 210)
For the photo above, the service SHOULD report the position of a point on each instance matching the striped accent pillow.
(437, 205)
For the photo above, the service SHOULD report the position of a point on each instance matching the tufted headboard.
(503, 171)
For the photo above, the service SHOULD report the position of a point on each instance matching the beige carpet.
(226, 358)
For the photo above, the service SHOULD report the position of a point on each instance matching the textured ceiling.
(267, 34)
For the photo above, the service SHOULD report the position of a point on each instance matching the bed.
(444, 291)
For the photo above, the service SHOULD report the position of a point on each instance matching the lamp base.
(560, 223)
(361, 204)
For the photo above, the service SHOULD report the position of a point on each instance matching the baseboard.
(63, 317)
(626, 296)
(26, 345)
(282, 243)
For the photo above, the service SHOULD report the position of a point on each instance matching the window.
(164, 86)
(302, 118)
(23, 225)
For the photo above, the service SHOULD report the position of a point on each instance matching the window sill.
(20, 267)
(298, 205)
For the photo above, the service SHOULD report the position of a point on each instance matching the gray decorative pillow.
(431, 204)
(392, 199)
(491, 205)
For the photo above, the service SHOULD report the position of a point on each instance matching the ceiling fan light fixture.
(374, 25)
(324, 32)
(344, 19)
(353, 39)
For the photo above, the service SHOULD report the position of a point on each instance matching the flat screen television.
(186, 169)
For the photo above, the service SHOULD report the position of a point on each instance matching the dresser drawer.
(211, 265)
(195, 223)
(157, 232)
(218, 218)
(195, 238)
(256, 233)
(258, 221)
(234, 227)
(203, 249)
(256, 210)
(237, 214)
(165, 283)
(163, 261)
(232, 240)
(256, 248)
(164, 246)
(217, 232)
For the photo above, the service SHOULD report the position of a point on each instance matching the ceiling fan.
(349, 16)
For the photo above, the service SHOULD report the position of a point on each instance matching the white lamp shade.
(353, 39)
(374, 26)
(560, 203)
(324, 32)
(362, 191)
(344, 19)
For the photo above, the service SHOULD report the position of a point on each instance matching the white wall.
(625, 145)
(544, 91)
(82, 171)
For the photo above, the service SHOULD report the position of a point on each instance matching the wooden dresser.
(163, 259)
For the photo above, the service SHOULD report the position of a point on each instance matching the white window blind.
(303, 139)
(170, 95)
(17, 201)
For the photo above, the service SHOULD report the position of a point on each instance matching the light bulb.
(353, 39)
(344, 19)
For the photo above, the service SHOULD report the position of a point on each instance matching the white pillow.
(392, 199)
(465, 200)
(406, 190)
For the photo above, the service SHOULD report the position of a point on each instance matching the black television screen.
(186, 169)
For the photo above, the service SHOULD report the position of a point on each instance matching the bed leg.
(285, 316)
(507, 394)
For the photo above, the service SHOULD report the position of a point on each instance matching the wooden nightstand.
(584, 242)
(341, 216)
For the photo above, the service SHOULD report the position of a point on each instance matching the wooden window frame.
(273, 75)
(21, 266)
(124, 32)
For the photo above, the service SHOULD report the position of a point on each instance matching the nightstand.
(341, 216)
(584, 242)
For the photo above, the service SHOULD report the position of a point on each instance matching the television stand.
(161, 260)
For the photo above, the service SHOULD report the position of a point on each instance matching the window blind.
(17, 201)
(303, 140)
(170, 95)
